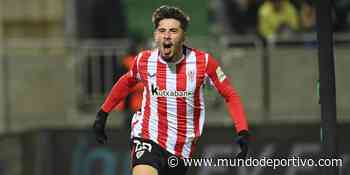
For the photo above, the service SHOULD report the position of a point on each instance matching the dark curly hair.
(166, 11)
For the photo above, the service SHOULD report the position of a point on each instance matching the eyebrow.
(173, 28)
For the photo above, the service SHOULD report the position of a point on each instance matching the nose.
(167, 35)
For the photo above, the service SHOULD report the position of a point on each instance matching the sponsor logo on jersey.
(167, 93)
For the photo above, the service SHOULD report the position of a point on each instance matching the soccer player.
(173, 111)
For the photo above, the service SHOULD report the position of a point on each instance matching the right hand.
(99, 127)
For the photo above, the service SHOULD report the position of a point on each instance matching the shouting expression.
(169, 38)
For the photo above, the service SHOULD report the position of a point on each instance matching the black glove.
(99, 127)
(243, 141)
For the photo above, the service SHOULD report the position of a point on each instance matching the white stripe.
(144, 99)
(137, 130)
(190, 86)
(206, 60)
(153, 121)
(202, 113)
(207, 80)
(138, 57)
(138, 76)
(201, 100)
(171, 109)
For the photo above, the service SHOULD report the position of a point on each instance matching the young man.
(172, 115)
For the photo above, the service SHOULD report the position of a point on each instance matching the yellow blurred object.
(271, 19)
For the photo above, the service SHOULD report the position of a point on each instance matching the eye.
(174, 30)
(161, 30)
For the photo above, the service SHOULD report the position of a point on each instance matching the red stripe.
(143, 69)
(181, 108)
(162, 105)
(193, 147)
(200, 61)
(200, 71)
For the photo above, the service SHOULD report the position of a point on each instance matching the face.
(169, 38)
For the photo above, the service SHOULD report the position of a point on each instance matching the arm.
(122, 88)
(230, 95)
(119, 91)
(233, 102)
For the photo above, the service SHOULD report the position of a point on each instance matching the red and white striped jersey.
(173, 107)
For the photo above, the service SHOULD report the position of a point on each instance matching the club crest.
(190, 75)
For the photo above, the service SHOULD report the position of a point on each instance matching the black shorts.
(147, 152)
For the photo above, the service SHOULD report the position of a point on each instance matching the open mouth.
(167, 48)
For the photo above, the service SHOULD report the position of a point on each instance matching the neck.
(176, 57)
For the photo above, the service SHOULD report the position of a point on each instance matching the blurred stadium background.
(59, 58)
